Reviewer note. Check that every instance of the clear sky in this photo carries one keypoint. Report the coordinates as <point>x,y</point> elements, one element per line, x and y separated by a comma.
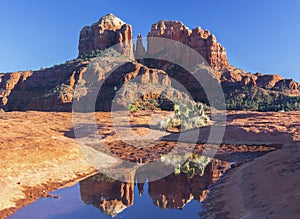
<point>259,35</point>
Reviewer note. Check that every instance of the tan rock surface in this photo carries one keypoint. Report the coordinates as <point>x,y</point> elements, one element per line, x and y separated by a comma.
<point>267,187</point>
<point>33,154</point>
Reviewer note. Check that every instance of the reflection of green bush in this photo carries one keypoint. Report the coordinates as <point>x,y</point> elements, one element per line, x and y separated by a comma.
<point>188,116</point>
<point>191,164</point>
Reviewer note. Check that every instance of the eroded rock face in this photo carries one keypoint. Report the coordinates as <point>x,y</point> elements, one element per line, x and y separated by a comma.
<point>200,40</point>
<point>46,90</point>
<point>287,84</point>
<point>107,32</point>
<point>237,78</point>
<point>140,50</point>
<point>268,81</point>
<point>53,89</point>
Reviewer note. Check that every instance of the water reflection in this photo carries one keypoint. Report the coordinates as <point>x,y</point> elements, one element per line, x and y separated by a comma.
<point>111,196</point>
<point>190,181</point>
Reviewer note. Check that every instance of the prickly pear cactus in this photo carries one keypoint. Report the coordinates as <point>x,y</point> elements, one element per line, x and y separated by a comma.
<point>186,116</point>
<point>190,164</point>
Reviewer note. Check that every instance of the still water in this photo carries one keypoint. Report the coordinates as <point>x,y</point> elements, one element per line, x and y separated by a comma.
<point>176,196</point>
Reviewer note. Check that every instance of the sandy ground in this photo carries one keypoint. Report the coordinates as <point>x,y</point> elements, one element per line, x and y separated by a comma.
<point>39,153</point>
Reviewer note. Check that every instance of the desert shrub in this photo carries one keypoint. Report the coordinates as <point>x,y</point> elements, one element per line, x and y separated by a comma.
<point>188,116</point>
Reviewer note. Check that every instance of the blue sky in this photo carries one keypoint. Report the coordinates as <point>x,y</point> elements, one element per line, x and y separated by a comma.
<point>259,35</point>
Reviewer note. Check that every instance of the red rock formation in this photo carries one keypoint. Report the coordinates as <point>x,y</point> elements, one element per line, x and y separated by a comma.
<point>146,75</point>
<point>140,50</point>
<point>47,89</point>
<point>200,40</point>
<point>53,88</point>
<point>268,81</point>
<point>287,84</point>
<point>8,82</point>
<point>237,78</point>
<point>107,32</point>
<point>233,77</point>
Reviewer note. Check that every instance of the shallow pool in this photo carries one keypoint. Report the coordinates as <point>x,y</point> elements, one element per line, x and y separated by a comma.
<point>175,196</point>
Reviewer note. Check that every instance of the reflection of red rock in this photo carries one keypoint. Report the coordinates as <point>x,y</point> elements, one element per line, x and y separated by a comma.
<point>107,32</point>
<point>175,191</point>
<point>112,197</point>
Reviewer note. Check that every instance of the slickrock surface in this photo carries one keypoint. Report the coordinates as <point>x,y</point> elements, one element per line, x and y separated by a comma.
<point>39,153</point>
<point>267,187</point>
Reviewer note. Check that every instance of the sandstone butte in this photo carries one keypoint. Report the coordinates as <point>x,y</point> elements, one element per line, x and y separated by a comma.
<point>108,31</point>
<point>52,156</point>
<point>52,88</point>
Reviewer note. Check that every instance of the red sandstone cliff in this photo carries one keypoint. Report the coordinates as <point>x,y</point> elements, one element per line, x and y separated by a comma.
<point>108,31</point>
<point>200,40</point>
<point>53,88</point>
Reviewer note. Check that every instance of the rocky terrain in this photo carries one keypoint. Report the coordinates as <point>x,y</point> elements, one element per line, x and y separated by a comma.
<point>53,89</point>
<point>39,154</point>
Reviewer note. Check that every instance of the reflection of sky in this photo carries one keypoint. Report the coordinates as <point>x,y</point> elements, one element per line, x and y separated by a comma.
<point>70,206</point>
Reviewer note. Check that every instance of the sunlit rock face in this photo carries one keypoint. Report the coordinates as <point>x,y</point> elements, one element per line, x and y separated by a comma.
<point>140,50</point>
<point>198,39</point>
<point>107,32</point>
